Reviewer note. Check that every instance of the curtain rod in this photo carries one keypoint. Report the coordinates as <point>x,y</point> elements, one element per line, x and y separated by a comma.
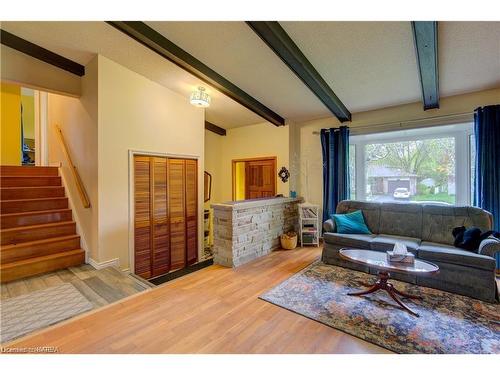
<point>400,123</point>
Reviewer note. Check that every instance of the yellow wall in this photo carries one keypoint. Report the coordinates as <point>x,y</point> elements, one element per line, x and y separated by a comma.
<point>11,125</point>
<point>260,140</point>
<point>28,103</point>
<point>239,181</point>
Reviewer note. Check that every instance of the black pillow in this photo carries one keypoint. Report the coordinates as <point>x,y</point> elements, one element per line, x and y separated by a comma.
<point>470,239</point>
<point>467,239</point>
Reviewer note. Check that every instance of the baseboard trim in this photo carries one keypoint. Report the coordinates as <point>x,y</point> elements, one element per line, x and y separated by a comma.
<point>108,263</point>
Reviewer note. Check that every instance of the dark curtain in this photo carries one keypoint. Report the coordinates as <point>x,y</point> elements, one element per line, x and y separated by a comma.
<point>487,163</point>
<point>335,148</point>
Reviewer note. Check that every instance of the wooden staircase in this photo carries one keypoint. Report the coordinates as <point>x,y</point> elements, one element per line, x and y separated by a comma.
<point>37,231</point>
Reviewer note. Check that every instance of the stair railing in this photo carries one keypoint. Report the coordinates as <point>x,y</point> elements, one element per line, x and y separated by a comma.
<point>79,183</point>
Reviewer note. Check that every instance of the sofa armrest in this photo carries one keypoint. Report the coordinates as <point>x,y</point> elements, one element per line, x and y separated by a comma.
<point>489,247</point>
<point>329,226</point>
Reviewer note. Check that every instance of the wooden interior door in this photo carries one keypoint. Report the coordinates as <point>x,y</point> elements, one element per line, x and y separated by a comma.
<point>166,214</point>
<point>191,189</point>
<point>260,179</point>
<point>142,222</point>
<point>161,240</point>
<point>177,211</point>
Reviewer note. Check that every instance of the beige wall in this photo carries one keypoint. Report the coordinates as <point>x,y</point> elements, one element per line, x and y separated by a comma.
<point>138,114</point>
<point>247,142</point>
<point>309,145</point>
<point>16,67</point>
<point>77,119</point>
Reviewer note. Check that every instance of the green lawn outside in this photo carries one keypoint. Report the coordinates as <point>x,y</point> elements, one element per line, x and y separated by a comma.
<point>441,197</point>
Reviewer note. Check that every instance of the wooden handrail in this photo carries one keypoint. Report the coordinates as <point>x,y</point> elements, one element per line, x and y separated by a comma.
<point>79,183</point>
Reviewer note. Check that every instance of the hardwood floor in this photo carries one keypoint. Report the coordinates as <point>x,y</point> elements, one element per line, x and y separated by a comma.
<point>101,287</point>
<point>214,310</point>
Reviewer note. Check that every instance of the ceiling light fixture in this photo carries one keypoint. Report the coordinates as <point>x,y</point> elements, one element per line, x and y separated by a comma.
<point>200,98</point>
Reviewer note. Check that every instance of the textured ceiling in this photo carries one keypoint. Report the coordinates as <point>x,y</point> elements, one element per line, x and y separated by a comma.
<point>80,41</point>
<point>469,57</point>
<point>369,65</point>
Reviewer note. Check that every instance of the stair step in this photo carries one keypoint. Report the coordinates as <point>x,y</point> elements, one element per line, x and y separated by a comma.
<point>17,170</point>
<point>34,266</point>
<point>34,218</point>
<point>26,250</point>
<point>27,181</point>
<point>18,235</point>
<point>31,192</point>
<point>27,205</point>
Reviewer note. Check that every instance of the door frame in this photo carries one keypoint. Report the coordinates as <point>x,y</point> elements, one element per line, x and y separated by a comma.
<point>261,158</point>
<point>131,200</point>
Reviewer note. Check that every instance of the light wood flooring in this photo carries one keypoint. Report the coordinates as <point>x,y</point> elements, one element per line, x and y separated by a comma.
<point>101,287</point>
<point>214,310</point>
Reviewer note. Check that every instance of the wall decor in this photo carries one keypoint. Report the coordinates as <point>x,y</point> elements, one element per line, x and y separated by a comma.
<point>284,174</point>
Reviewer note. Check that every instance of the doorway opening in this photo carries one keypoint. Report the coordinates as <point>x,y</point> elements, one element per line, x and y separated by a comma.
<point>254,178</point>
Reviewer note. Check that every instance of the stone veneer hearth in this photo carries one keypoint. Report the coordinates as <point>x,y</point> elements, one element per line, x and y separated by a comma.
<point>246,230</point>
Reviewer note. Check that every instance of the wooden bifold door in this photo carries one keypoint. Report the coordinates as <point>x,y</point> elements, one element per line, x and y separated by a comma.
<point>166,207</point>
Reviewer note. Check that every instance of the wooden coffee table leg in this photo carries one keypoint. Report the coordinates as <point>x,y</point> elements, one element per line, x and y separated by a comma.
<point>405,295</point>
<point>382,284</point>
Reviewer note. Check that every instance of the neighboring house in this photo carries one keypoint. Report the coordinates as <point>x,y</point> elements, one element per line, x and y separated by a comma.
<point>384,180</point>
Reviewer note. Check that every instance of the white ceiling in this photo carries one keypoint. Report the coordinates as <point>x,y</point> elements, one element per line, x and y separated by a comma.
<point>469,57</point>
<point>81,41</point>
<point>369,65</point>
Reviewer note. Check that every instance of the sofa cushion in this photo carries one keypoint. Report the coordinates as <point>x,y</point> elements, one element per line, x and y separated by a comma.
<point>436,252</point>
<point>357,241</point>
<point>439,221</point>
<point>385,242</point>
<point>401,219</point>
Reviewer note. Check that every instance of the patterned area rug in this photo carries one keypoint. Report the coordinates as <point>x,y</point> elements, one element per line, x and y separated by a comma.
<point>448,323</point>
<point>32,311</point>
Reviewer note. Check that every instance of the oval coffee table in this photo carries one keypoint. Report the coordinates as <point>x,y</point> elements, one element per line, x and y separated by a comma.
<point>378,260</point>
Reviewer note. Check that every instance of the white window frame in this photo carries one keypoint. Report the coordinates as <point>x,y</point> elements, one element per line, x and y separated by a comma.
<point>460,132</point>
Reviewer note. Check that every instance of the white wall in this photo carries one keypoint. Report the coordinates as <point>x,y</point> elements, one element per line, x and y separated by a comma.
<point>27,71</point>
<point>138,114</point>
<point>77,118</point>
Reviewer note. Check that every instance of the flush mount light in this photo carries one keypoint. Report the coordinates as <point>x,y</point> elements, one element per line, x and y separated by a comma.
<point>200,98</point>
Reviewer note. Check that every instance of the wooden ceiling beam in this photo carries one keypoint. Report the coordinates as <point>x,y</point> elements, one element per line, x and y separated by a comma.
<point>158,43</point>
<point>214,128</point>
<point>40,53</point>
<point>280,42</point>
<point>425,37</point>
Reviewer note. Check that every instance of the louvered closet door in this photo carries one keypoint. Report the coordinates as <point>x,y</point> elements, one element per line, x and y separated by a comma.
<point>161,241</point>
<point>177,213</point>
<point>142,222</point>
<point>191,211</point>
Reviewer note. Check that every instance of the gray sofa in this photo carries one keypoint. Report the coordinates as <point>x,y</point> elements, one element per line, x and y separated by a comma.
<point>426,229</point>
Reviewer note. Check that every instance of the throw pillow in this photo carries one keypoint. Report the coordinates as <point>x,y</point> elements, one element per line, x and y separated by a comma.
<point>469,239</point>
<point>351,223</point>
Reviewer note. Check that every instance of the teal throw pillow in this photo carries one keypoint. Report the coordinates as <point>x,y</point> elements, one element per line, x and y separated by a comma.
<point>352,223</point>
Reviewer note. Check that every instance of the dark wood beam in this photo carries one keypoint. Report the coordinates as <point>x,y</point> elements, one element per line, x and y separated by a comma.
<point>280,42</point>
<point>40,53</point>
<point>425,36</point>
<point>165,48</point>
<point>214,128</point>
